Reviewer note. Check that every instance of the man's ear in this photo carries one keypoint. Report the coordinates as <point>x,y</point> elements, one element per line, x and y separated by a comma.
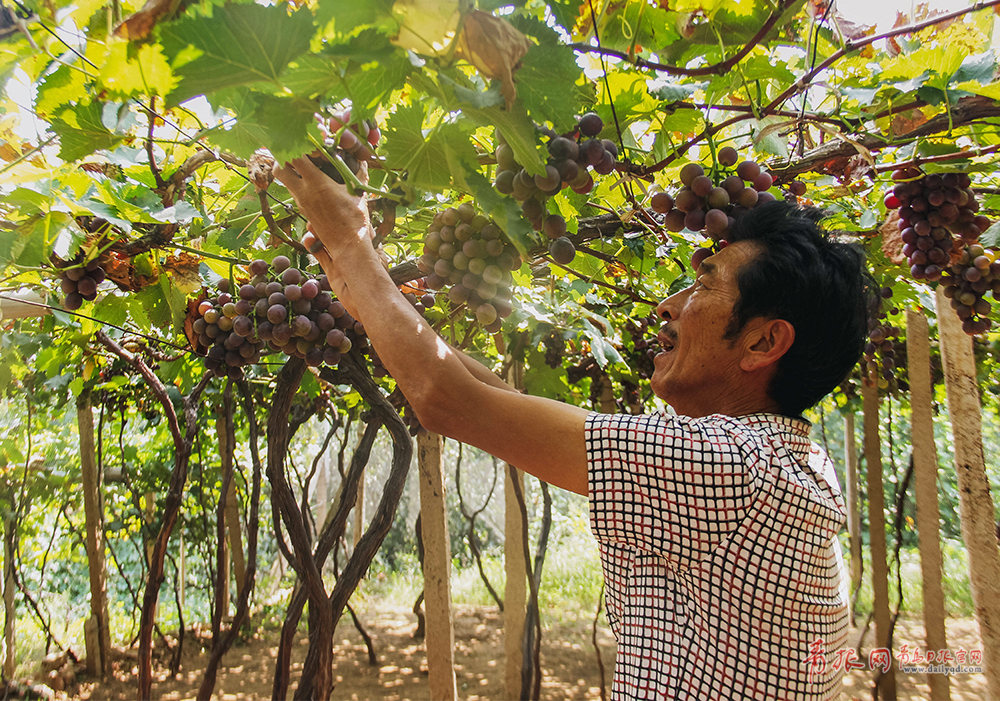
<point>766,343</point>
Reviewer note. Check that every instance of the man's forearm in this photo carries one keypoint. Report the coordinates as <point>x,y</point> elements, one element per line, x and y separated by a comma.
<point>482,373</point>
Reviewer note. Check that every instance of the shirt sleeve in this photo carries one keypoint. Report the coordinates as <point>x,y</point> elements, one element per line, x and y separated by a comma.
<point>674,486</point>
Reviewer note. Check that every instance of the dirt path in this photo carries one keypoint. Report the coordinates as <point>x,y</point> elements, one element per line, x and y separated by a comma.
<point>569,663</point>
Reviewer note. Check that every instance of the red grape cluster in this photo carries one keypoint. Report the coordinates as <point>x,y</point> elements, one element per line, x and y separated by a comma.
<point>292,312</point>
<point>974,273</point>
<point>354,144</point>
<point>571,155</point>
<point>470,253</point>
<point>713,206</point>
<point>880,354</point>
<point>931,209</point>
<point>79,281</point>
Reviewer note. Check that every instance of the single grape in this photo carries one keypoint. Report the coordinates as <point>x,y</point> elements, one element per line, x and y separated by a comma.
<point>562,250</point>
<point>591,124</point>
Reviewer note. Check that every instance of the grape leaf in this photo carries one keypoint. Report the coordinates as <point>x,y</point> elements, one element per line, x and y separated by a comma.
<point>504,210</point>
<point>127,71</point>
<point>368,85</point>
<point>547,85</point>
<point>63,86</point>
<point>517,131</point>
<point>350,18</point>
<point>281,124</point>
<point>991,237</point>
<point>978,67</point>
<point>81,131</point>
<point>238,44</point>
<point>311,76</point>
<point>435,160</point>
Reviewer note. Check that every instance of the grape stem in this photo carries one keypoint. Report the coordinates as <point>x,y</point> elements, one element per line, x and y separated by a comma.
<point>98,321</point>
<point>958,155</point>
<point>213,256</point>
<point>634,296</point>
<point>350,179</point>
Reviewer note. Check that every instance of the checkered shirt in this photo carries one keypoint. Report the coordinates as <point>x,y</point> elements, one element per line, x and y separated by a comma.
<point>719,547</point>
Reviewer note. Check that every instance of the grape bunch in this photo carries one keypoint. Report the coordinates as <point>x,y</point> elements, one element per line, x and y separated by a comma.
<point>933,208</point>
<point>974,273</point>
<point>354,144</point>
<point>571,156</point>
<point>289,312</point>
<point>879,355</point>
<point>713,206</point>
<point>645,348</point>
<point>467,251</point>
<point>79,281</point>
<point>555,348</point>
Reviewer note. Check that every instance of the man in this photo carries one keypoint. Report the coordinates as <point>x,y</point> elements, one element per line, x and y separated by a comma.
<point>717,526</point>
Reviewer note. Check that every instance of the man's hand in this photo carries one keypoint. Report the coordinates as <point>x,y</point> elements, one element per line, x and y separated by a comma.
<point>337,218</point>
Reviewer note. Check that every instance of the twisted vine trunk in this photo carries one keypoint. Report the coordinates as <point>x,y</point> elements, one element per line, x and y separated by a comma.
<point>246,589</point>
<point>183,444</point>
<point>381,522</point>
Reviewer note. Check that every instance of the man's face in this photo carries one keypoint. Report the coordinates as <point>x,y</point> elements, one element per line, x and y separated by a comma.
<point>698,373</point>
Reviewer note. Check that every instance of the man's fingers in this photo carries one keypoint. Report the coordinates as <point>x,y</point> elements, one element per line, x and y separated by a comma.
<point>311,241</point>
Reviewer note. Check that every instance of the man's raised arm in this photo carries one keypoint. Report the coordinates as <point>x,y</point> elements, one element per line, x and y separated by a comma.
<point>448,392</point>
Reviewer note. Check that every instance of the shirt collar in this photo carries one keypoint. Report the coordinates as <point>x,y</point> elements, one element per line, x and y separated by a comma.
<point>794,431</point>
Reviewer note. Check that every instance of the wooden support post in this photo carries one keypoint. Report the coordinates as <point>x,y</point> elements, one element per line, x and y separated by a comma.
<point>853,506</point>
<point>10,615</point>
<point>515,598</point>
<point>181,571</point>
<point>234,527</point>
<point>975,501</point>
<point>876,536</point>
<point>925,469</point>
<point>98,646</point>
<point>440,638</point>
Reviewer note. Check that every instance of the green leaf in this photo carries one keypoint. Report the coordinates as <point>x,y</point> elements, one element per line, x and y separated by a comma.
<point>111,308</point>
<point>312,76</point>
<point>238,44</point>
<point>63,86</point>
<point>991,237</point>
<point>153,308</point>
<point>280,124</point>
<point>491,97</point>
<point>437,159</point>
<point>978,67</point>
<point>517,131</point>
<point>369,84</point>
<point>81,131</point>
<point>547,85</point>
<point>504,210</point>
<point>349,17</point>
<point>128,71</point>
<point>604,352</point>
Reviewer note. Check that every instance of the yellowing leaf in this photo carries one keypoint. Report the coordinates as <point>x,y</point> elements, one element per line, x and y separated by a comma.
<point>426,26</point>
<point>147,72</point>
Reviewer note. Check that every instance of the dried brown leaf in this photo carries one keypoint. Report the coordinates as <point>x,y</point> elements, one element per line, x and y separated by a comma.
<point>494,47</point>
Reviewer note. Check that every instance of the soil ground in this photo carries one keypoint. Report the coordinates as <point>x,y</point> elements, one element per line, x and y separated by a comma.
<point>569,662</point>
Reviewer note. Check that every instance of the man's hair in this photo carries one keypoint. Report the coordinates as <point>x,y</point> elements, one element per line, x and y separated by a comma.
<point>820,286</point>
